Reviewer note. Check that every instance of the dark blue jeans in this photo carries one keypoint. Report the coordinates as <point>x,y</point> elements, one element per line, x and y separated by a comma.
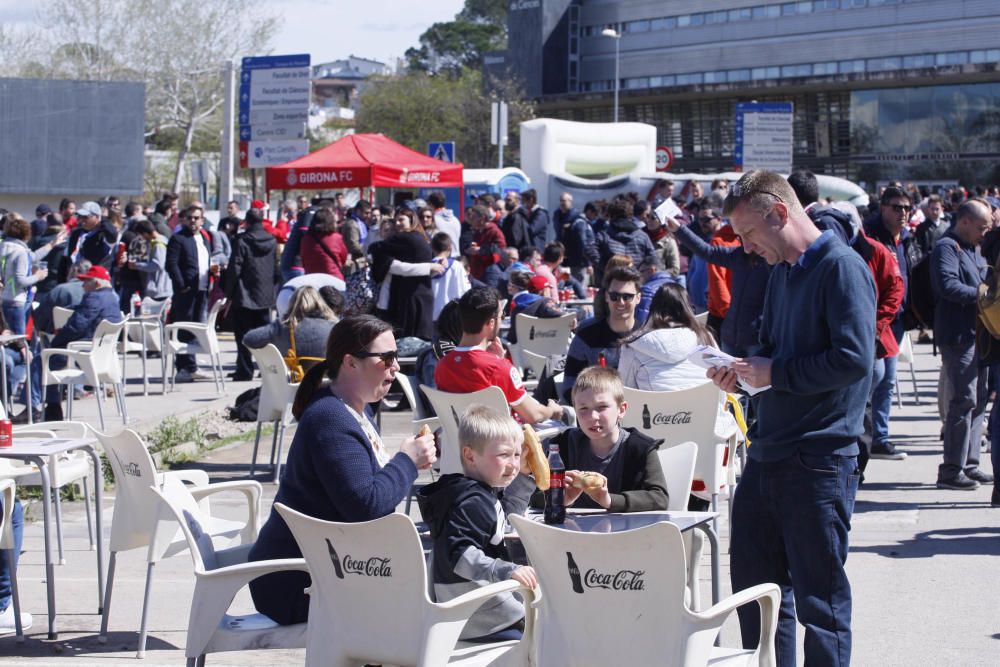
<point>790,525</point>
<point>17,523</point>
<point>995,421</point>
<point>16,316</point>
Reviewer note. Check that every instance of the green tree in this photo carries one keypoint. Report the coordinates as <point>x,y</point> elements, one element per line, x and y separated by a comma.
<point>416,108</point>
<point>449,46</point>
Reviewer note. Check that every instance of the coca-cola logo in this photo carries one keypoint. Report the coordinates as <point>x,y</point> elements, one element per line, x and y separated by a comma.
<point>622,580</point>
<point>374,566</point>
<point>131,469</point>
<point>545,334</point>
<point>675,418</point>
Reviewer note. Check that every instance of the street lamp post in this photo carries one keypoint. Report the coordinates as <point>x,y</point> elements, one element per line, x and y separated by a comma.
<point>617,36</point>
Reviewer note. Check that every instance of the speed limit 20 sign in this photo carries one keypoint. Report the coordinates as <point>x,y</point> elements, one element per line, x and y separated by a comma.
<point>664,158</point>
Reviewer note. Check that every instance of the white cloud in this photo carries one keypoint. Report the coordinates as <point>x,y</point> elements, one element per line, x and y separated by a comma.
<point>378,29</point>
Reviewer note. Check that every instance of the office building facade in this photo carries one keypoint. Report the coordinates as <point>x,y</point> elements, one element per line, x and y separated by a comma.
<point>906,89</point>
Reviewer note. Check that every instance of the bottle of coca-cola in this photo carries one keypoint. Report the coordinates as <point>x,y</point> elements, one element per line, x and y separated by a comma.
<point>335,559</point>
<point>574,573</point>
<point>555,508</point>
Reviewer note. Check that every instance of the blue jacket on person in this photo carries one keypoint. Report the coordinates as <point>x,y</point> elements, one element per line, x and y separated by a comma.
<point>818,328</point>
<point>101,304</point>
<point>741,327</point>
<point>331,474</point>
<point>956,272</point>
<point>649,288</point>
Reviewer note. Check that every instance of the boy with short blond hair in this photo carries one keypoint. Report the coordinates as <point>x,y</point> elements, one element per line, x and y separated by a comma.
<point>467,516</point>
<point>625,459</point>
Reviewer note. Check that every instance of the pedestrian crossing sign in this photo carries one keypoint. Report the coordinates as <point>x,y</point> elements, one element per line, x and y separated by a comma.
<point>442,150</point>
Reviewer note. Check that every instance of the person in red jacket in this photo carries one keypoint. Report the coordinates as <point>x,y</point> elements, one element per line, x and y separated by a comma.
<point>487,241</point>
<point>323,249</point>
<point>720,280</point>
<point>279,228</point>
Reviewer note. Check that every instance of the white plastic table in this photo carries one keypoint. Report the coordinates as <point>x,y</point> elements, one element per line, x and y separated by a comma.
<point>38,451</point>
<point>599,521</point>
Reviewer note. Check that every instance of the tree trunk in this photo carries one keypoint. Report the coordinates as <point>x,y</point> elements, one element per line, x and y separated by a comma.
<point>182,155</point>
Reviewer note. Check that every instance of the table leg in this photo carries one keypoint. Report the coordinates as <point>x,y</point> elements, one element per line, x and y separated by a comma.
<point>145,378</point>
<point>713,540</point>
<point>27,386</point>
<point>50,570</point>
<point>98,494</point>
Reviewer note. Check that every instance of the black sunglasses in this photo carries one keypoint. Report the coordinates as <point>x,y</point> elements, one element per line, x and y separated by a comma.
<point>387,357</point>
<point>900,208</point>
<point>621,296</point>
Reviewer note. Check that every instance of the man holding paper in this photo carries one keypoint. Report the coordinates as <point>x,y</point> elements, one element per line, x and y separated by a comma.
<point>792,508</point>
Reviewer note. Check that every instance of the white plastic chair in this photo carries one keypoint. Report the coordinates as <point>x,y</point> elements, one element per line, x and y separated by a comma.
<point>7,544</point>
<point>636,579</point>
<point>141,520</point>
<point>373,575</point>
<point>678,470</point>
<point>526,360</point>
<point>906,357</point>
<point>449,408</point>
<point>219,576</point>
<point>150,330</point>
<point>410,388</point>
<point>206,341</point>
<point>545,336</point>
<point>275,405</point>
<point>96,366</point>
<point>689,415</point>
<point>71,468</point>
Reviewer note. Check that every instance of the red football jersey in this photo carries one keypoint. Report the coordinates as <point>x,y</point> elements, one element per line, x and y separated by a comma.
<point>468,369</point>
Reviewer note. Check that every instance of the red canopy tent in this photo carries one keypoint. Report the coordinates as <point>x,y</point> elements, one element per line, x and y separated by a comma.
<point>364,160</point>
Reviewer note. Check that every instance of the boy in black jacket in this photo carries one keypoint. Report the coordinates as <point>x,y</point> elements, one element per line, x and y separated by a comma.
<point>467,515</point>
<point>626,458</point>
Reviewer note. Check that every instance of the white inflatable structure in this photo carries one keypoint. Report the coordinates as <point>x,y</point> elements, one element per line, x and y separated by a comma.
<point>599,160</point>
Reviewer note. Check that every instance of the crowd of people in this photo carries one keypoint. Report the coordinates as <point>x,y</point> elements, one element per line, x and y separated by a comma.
<point>812,297</point>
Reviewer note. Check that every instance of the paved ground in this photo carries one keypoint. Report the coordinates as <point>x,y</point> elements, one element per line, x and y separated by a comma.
<point>923,561</point>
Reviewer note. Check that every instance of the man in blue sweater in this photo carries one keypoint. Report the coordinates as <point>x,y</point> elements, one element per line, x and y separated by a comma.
<point>957,275</point>
<point>792,508</point>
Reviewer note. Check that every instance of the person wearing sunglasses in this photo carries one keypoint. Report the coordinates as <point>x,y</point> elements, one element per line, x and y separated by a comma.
<point>890,226</point>
<point>338,467</point>
<point>598,339</point>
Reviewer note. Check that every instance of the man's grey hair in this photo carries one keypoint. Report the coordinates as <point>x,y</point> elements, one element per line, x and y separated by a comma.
<point>81,266</point>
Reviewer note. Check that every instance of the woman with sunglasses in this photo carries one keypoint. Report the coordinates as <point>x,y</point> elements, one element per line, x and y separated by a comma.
<point>597,340</point>
<point>338,468</point>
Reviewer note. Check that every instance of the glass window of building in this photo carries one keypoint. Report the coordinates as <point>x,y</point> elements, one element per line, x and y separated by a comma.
<point>697,19</point>
<point>684,21</point>
<point>715,17</point>
<point>637,82</point>
<point>637,26</point>
<point>851,66</point>
<point>952,58</point>
<point>664,23</point>
<point>853,4</point>
<point>715,77</point>
<point>691,79</point>
<point>789,9</point>
<point>918,61</point>
<point>735,75</point>
<point>741,14</point>
<point>824,69</point>
<point>884,64</point>
<point>825,5</point>
<point>803,7</point>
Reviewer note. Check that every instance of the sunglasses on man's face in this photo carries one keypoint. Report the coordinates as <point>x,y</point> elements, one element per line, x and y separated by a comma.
<point>626,297</point>
<point>387,357</point>
<point>900,208</point>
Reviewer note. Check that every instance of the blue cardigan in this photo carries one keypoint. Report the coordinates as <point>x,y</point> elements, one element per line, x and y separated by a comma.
<point>331,474</point>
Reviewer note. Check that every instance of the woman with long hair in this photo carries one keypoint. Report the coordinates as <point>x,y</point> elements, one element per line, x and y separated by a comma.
<point>338,468</point>
<point>304,329</point>
<point>655,358</point>
<point>408,257</point>
<point>323,249</point>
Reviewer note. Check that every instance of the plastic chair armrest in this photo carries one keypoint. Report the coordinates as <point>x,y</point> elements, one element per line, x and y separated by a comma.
<point>466,604</point>
<point>251,490</point>
<point>769,598</point>
<point>197,477</point>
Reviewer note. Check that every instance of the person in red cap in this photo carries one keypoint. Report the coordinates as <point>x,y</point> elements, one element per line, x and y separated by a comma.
<point>99,303</point>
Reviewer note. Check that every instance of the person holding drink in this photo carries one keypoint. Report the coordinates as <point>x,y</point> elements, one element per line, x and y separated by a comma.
<point>338,468</point>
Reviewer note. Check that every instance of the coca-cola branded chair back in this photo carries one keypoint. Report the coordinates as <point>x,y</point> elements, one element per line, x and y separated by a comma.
<point>688,415</point>
<point>545,336</point>
<point>219,575</point>
<point>636,578</point>
<point>369,602</point>
<point>450,408</point>
<point>141,520</point>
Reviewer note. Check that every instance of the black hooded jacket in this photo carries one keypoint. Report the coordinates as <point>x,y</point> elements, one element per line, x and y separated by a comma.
<point>252,272</point>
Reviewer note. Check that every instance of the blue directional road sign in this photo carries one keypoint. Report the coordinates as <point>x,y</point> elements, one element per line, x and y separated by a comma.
<point>442,150</point>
